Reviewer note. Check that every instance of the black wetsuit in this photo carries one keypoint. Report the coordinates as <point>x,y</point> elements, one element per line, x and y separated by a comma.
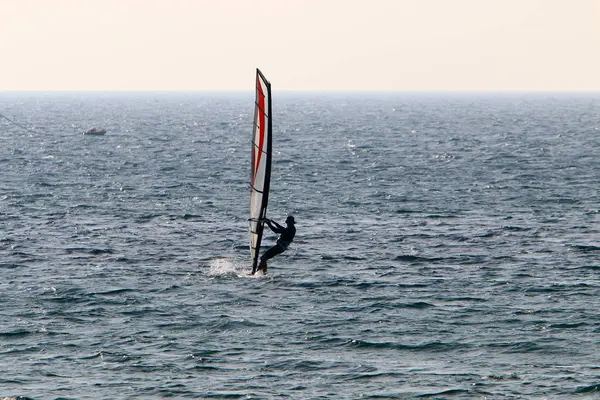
<point>286,237</point>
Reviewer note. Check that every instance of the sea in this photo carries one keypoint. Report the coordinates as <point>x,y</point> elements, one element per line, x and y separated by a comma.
<point>447,247</point>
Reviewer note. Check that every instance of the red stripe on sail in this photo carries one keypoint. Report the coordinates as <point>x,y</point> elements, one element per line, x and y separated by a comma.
<point>261,124</point>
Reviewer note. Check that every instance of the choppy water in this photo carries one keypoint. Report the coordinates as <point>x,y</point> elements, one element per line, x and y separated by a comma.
<point>448,248</point>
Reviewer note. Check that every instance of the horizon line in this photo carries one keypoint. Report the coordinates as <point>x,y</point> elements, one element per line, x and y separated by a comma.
<point>251,91</point>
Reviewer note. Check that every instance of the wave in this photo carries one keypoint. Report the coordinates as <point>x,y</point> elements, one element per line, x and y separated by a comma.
<point>114,292</point>
<point>448,392</point>
<point>92,251</point>
<point>589,389</point>
<point>585,248</point>
<point>19,333</point>
<point>425,347</point>
<point>458,259</point>
<point>417,259</point>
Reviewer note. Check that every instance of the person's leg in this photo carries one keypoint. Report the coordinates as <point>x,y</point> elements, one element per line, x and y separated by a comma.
<point>272,252</point>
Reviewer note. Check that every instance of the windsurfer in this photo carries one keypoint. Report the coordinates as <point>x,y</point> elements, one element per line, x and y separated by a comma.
<point>286,236</point>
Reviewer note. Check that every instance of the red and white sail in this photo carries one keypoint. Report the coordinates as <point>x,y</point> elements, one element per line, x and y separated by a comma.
<point>260,176</point>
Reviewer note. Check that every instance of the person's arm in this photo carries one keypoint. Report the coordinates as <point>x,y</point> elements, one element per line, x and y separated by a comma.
<point>277,228</point>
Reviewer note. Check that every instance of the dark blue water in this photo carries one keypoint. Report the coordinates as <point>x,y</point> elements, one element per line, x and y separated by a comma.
<point>448,247</point>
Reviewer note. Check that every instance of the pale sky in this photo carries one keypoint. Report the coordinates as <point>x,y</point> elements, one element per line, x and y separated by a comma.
<point>305,45</point>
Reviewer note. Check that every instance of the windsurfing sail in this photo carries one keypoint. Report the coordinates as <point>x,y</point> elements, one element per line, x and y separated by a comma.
<point>260,176</point>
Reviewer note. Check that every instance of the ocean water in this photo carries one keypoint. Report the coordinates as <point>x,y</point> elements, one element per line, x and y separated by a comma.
<point>448,247</point>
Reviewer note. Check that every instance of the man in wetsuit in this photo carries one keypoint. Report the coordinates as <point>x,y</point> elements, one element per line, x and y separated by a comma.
<point>286,236</point>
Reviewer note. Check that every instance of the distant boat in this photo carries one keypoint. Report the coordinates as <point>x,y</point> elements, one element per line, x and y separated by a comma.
<point>95,131</point>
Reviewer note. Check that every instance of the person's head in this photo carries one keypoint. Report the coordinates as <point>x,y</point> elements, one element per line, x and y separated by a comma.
<point>290,220</point>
